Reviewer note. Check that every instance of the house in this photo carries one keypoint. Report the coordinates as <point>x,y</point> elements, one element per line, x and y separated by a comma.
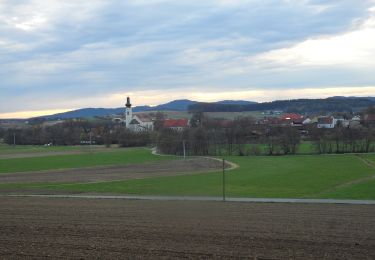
<point>307,121</point>
<point>292,119</point>
<point>176,124</point>
<point>291,116</point>
<point>326,122</point>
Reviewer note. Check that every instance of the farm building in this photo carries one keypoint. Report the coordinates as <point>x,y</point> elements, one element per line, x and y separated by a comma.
<point>291,116</point>
<point>326,122</point>
<point>176,124</point>
<point>292,119</point>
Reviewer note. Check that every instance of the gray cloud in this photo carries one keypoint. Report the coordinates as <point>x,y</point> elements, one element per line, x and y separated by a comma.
<point>51,50</point>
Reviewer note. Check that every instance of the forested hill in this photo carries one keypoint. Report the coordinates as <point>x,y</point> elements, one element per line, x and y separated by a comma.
<point>175,105</point>
<point>333,104</point>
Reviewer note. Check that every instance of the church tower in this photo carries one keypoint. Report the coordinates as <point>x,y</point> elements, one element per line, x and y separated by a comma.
<point>128,112</point>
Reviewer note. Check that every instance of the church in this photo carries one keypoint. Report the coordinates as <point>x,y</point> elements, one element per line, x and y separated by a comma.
<point>138,122</point>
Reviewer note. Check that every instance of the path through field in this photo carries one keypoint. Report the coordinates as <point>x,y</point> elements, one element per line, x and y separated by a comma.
<point>353,182</point>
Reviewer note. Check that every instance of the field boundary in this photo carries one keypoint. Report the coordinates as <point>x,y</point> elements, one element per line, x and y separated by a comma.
<point>194,198</point>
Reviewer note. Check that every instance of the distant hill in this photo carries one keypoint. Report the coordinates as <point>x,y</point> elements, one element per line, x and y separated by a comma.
<point>235,102</point>
<point>84,112</point>
<point>332,104</point>
<point>351,97</point>
<point>176,105</point>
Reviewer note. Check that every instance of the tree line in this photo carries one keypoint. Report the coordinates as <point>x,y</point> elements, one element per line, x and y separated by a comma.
<point>74,132</point>
<point>206,136</point>
<point>334,104</point>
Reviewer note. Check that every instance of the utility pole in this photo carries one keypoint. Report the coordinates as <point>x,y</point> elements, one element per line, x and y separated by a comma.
<point>184,148</point>
<point>223,179</point>
<point>90,138</point>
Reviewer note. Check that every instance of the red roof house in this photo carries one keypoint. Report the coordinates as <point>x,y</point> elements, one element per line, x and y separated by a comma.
<point>292,117</point>
<point>178,124</point>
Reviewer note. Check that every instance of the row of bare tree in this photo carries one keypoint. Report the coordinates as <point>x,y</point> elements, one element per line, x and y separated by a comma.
<point>207,136</point>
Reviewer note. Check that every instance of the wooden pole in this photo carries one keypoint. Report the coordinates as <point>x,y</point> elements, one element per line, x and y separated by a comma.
<point>184,148</point>
<point>223,179</point>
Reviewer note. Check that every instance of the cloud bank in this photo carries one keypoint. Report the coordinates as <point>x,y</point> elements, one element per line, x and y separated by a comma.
<point>57,55</point>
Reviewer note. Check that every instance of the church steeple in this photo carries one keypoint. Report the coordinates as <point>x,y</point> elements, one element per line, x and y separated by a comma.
<point>128,112</point>
<point>128,105</point>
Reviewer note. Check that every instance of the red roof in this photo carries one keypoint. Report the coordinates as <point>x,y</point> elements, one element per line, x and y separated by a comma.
<point>326,120</point>
<point>291,116</point>
<point>176,123</point>
<point>369,117</point>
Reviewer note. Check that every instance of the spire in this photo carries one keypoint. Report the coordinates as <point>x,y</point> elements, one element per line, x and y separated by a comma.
<point>128,102</point>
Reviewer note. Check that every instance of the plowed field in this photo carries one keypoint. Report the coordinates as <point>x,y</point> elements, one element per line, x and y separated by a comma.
<point>39,228</point>
<point>111,173</point>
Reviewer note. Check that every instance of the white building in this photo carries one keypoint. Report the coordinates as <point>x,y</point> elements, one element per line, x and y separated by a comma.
<point>326,122</point>
<point>138,122</point>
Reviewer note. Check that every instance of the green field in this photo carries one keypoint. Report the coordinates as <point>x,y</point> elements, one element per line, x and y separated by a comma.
<point>115,157</point>
<point>268,177</point>
<point>301,176</point>
<point>365,191</point>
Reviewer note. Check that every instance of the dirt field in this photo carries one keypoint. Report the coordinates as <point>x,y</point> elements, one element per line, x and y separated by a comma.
<point>38,228</point>
<point>110,173</point>
<point>30,154</point>
<point>37,154</point>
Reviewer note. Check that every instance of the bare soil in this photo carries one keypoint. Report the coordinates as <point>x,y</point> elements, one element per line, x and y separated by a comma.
<point>39,228</point>
<point>31,154</point>
<point>111,173</point>
<point>36,154</point>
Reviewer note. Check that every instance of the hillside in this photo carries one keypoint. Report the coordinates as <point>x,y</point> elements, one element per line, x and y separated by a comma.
<point>175,105</point>
<point>333,104</point>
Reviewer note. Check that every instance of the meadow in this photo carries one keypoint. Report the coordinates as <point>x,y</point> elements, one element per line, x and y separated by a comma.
<point>266,177</point>
<point>300,176</point>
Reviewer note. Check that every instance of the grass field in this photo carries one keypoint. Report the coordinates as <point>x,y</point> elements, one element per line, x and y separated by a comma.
<point>317,176</point>
<point>365,191</point>
<point>268,177</point>
<point>116,157</point>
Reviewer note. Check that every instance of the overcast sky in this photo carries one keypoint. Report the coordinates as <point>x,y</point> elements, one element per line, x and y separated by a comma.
<point>59,55</point>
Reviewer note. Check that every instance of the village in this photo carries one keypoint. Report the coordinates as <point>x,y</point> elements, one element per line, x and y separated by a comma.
<point>141,121</point>
<point>272,132</point>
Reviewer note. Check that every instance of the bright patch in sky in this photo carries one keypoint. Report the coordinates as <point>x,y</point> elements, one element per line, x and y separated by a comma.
<point>57,55</point>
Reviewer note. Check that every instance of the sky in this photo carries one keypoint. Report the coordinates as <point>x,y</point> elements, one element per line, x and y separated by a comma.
<point>62,55</point>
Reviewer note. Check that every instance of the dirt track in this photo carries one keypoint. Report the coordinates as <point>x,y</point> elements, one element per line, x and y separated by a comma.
<point>109,173</point>
<point>131,229</point>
